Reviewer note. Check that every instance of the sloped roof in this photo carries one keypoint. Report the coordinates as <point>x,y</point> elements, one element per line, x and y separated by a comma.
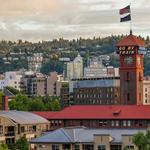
<point>82,135</point>
<point>99,112</point>
<point>23,117</point>
<point>131,40</point>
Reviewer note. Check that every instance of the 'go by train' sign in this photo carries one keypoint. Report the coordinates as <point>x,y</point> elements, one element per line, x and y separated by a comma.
<point>131,50</point>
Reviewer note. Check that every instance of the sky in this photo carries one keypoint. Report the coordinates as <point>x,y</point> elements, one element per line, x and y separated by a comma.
<point>35,20</point>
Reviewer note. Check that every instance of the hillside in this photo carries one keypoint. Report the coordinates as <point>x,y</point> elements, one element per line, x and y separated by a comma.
<point>13,55</point>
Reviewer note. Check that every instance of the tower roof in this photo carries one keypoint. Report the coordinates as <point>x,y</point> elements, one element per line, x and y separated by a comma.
<point>131,40</point>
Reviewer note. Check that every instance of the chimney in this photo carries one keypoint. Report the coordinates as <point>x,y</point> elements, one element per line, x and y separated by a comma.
<point>5,103</point>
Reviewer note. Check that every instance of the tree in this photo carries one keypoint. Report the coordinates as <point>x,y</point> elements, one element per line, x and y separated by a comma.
<point>3,147</point>
<point>52,65</point>
<point>12,90</point>
<point>142,140</point>
<point>22,144</point>
<point>20,102</point>
<point>38,103</point>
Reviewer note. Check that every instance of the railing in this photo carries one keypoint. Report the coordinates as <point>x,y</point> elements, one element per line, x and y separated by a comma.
<point>10,133</point>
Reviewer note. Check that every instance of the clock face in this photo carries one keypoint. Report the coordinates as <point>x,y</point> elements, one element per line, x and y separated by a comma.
<point>128,60</point>
<point>138,60</point>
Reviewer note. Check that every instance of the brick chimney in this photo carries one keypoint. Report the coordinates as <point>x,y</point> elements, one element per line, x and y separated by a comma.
<point>5,103</point>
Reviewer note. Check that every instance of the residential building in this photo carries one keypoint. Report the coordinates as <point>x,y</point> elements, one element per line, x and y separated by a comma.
<point>100,116</point>
<point>39,84</point>
<point>17,124</point>
<point>81,138</point>
<point>12,79</point>
<point>34,84</point>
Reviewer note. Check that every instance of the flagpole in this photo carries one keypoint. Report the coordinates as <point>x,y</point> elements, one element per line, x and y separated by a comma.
<point>130,20</point>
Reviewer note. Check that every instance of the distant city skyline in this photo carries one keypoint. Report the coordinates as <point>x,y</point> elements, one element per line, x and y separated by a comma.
<point>48,19</point>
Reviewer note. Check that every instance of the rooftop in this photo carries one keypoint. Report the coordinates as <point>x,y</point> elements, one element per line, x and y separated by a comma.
<point>131,40</point>
<point>82,135</point>
<point>23,117</point>
<point>99,112</point>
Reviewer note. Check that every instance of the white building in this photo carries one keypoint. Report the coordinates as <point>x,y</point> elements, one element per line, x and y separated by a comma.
<point>75,68</point>
<point>35,62</point>
<point>11,78</point>
<point>96,69</point>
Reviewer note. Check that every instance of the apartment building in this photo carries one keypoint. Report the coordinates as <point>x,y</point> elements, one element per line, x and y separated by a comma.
<point>11,78</point>
<point>39,84</point>
<point>17,124</point>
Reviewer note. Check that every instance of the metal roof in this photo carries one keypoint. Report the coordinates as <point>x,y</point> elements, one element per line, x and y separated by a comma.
<point>22,117</point>
<point>82,135</point>
<point>99,112</point>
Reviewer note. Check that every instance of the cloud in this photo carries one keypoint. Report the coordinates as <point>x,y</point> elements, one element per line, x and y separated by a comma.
<point>48,19</point>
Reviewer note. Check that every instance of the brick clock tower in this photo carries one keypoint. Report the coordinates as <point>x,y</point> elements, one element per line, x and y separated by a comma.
<point>131,50</point>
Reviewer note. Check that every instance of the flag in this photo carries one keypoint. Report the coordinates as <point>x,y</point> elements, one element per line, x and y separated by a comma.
<point>125,10</point>
<point>126,18</point>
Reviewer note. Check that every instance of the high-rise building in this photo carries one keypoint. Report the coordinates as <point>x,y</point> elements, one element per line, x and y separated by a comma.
<point>131,50</point>
<point>74,69</point>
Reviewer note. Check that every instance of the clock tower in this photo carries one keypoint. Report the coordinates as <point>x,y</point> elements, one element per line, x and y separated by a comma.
<point>131,50</point>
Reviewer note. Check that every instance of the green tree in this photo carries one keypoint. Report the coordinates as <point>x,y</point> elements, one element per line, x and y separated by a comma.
<point>20,102</point>
<point>22,144</point>
<point>52,65</point>
<point>36,105</point>
<point>142,140</point>
<point>3,147</point>
<point>13,90</point>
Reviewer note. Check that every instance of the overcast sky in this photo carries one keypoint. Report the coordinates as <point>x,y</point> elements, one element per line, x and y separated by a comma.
<point>47,19</point>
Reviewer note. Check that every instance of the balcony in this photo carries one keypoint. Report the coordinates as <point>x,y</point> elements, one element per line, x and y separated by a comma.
<point>10,133</point>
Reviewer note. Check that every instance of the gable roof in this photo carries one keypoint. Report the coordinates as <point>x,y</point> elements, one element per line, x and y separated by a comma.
<point>82,135</point>
<point>23,117</point>
<point>99,112</point>
<point>131,40</point>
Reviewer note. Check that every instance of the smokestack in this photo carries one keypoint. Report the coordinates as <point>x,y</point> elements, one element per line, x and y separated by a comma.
<point>5,103</point>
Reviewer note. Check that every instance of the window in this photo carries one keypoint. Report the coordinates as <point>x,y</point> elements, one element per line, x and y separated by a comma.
<point>112,123</point>
<point>124,123</point>
<point>128,97</point>
<point>117,123</point>
<point>128,76</point>
<point>55,147</point>
<point>129,123</point>
<point>76,147</point>
<point>101,147</point>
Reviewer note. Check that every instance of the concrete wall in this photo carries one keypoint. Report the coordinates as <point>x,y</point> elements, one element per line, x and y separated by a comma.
<point>127,141</point>
<point>102,140</point>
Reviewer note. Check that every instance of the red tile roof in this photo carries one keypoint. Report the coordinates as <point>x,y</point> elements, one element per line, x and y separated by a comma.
<point>131,40</point>
<point>99,112</point>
